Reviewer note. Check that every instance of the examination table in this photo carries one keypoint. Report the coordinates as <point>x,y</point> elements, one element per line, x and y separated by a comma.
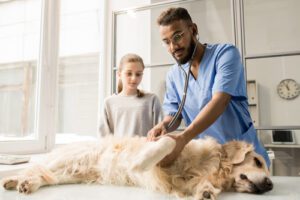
<point>285,188</point>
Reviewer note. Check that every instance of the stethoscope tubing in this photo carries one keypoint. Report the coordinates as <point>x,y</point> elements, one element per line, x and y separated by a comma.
<point>187,76</point>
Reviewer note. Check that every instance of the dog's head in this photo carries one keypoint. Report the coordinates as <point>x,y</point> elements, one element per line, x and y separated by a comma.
<point>249,172</point>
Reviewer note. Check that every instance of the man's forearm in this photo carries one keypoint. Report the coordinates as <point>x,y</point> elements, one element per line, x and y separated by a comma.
<point>167,120</point>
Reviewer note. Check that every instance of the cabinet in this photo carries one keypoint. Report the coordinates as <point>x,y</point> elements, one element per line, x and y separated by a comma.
<point>285,156</point>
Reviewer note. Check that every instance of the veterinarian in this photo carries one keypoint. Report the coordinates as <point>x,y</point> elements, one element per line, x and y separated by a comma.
<point>131,111</point>
<point>216,100</point>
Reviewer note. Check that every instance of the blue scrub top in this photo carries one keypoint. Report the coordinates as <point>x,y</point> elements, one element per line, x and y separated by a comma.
<point>220,70</point>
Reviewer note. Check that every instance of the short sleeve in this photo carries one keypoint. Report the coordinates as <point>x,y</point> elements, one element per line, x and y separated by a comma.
<point>230,73</point>
<point>170,104</point>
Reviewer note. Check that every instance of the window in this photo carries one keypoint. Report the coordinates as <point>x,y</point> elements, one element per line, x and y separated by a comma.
<point>78,68</point>
<point>43,92</point>
<point>19,44</point>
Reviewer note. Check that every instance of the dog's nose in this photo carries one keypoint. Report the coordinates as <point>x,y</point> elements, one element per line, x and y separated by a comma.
<point>264,186</point>
<point>268,185</point>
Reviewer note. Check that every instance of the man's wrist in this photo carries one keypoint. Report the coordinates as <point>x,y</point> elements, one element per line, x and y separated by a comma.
<point>184,137</point>
<point>187,135</point>
<point>165,125</point>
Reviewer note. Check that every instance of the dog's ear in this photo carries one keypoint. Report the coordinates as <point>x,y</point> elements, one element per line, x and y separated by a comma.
<point>236,151</point>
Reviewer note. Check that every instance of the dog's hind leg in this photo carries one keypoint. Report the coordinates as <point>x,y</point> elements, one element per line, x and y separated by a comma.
<point>30,180</point>
<point>10,183</point>
<point>153,153</point>
<point>90,175</point>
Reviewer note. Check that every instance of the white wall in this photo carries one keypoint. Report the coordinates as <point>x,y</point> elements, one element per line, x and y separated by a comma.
<point>272,27</point>
<point>133,35</point>
<point>268,72</point>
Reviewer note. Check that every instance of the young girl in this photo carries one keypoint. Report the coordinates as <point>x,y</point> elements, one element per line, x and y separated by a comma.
<point>131,111</point>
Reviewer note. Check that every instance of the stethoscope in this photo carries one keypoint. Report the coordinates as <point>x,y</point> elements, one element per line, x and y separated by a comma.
<point>187,76</point>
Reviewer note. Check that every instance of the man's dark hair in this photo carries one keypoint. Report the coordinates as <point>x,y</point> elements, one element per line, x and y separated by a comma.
<point>174,14</point>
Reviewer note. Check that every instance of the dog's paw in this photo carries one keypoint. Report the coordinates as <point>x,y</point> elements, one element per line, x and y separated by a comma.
<point>28,186</point>
<point>207,191</point>
<point>153,153</point>
<point>206,195</point>
<point>9,183</point>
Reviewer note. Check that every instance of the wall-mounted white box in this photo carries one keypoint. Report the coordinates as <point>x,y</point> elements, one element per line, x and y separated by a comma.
<point>252,92</point>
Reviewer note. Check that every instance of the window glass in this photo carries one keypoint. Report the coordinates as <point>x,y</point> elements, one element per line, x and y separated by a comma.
<point>19,47</point>
<point>78,67</point>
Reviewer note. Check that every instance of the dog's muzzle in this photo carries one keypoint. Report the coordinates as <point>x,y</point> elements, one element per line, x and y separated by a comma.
<point>262,187</point>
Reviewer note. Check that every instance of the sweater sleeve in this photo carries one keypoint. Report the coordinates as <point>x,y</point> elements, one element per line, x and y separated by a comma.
<point>104,128</point>
<point>157,111</point>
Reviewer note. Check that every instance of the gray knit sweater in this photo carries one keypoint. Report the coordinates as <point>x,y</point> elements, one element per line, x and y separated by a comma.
<point>130,115</point>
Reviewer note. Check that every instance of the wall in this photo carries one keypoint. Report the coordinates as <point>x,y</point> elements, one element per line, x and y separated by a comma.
<point>272,26</point>
<point>272,52</point>
<point>272,48</point>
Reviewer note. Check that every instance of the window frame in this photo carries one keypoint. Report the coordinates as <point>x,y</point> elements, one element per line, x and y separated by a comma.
<point>46,96</point>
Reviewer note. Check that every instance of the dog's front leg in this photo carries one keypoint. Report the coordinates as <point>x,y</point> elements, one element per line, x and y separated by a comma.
<point>205,190</point>
<point>153,153</point>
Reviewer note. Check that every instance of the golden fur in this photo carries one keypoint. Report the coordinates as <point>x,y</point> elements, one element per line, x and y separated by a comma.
<point>203,169</point>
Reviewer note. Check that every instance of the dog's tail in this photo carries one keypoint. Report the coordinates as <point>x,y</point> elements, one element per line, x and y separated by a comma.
<point>153,153</point>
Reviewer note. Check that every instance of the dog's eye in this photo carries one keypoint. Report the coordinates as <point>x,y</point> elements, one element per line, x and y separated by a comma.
<point>257,162</point>
<point>243,177</point>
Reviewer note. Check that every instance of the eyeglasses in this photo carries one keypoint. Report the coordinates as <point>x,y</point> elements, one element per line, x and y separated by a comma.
<point>175,39</point>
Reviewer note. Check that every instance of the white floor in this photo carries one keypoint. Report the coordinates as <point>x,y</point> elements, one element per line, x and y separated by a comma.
<point>285,188</point>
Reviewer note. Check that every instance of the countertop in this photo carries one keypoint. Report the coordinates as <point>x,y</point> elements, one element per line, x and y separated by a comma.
<point>284,188</point>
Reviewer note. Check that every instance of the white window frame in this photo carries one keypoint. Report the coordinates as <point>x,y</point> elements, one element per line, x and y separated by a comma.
<point>103,78</point>
<point>46,97</point>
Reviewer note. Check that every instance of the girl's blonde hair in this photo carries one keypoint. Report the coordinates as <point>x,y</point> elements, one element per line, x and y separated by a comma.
<point>130,58</point>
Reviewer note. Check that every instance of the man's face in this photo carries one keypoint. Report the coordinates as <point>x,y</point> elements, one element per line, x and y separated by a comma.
<point>178,39</point>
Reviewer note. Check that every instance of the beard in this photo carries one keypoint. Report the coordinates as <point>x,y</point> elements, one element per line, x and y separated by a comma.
<point>186,58</point>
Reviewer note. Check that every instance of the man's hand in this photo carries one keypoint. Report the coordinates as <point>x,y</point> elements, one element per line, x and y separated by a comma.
<point>180,144</point>
<point>156,132</point>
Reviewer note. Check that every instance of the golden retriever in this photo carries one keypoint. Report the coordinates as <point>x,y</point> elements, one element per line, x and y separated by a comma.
<point>203,169</point>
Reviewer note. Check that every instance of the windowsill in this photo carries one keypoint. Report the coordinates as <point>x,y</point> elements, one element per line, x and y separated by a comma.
<point>61,139</point>
<point>7,170</point>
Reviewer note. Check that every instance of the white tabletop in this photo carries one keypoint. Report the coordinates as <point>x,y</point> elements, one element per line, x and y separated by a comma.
<point>284,188</point>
